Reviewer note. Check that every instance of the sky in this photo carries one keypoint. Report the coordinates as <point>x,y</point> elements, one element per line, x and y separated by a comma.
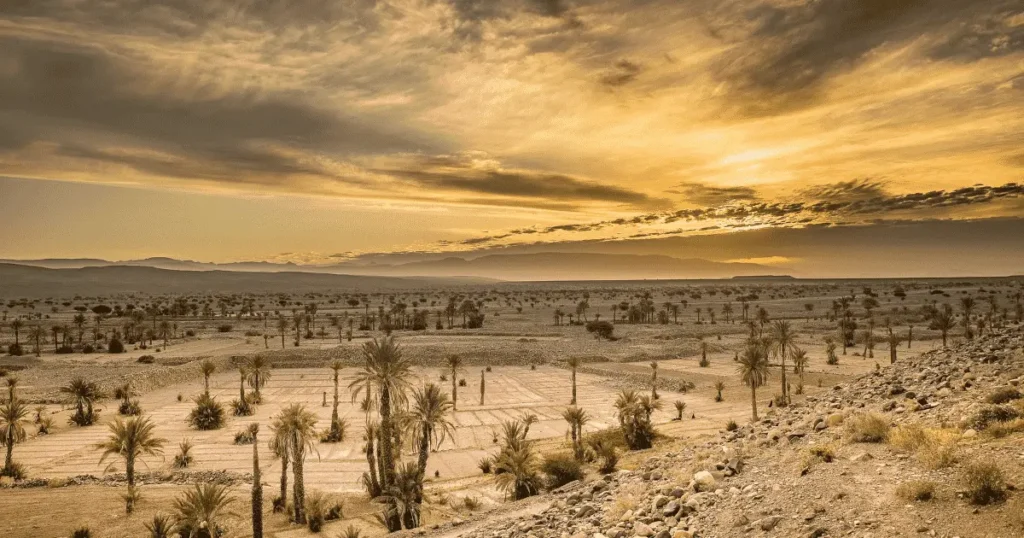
<point>323,130</point>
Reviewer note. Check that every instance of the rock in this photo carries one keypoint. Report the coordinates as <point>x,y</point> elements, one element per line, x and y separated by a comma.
<point>642,529</point>
<point>769,522</point>
<point>704,481</point>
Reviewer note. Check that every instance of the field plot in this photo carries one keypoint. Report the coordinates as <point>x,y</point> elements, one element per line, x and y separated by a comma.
<point>510,393</point>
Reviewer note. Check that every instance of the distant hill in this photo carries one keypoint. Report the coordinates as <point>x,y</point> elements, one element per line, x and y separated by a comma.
<point>28,281</point>
<point>519,267</point>
<point>764,277</point>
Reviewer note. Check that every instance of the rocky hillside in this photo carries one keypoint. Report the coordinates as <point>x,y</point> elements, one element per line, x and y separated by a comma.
<point>931,446</point>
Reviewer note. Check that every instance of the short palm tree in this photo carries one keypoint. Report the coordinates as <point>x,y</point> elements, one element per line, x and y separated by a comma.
<point>257,374</point>
<point>207,368</point>
<point>403,498</point>
<point>680,407</point>
<point>574,363</point>
<point>577,419</point>
<point>13,418</point>
<point>337,431</point>
<point>943,322</point>
<point>161,526</point>
<point>753,369</point>
<point>82,394</point>
<point>200,508</point>
<point>455,367</point>
<point>517,471</point>
<point>12,386</point>
<point>131,439</point>
<point>719,387</point>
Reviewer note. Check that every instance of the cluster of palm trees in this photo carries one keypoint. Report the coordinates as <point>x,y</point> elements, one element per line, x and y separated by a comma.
<point>13,419</point>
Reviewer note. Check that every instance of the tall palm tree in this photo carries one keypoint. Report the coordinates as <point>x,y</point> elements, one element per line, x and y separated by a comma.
<point>753,369</point>
<point>301,426</point>
<point>654,380</point>
<point>577,418</point>
<point>387,373</point>
<point>258,373</point>
<point>943,322</point>
<point>131,439</point>
<point>16,325</point>
<point>371,479</point>
<point>455,364</point>
<point>282,328</point>
<point>82,394</point>
<point>199,509</point>
<point>207,368</point>
<point>430,421</point>
<point>337,430</point>
<point>279,447</point>
<point>13,418</point>
<point>37,335</point>
<point>574,363</point>
<point>782,338</point>
<point>257,485</point>
<point>800,361</point>
<point>894,342</point>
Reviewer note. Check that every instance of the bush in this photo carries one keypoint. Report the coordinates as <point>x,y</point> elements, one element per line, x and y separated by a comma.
<point>917,490</point>
<point>731,426</point>
<point>1003,395</point>
<point>242,408</point>
<point>606,452</point>
<point>935,449</point>
<point>486,464</point>
<point>225,328</point>
<point>991,414</point>
<point>88,348</point>
<point>184,457</point>
<point>244,437</point>
<point>208,414</point>
<point>561,469</point>
<point>161,526</point>
<point>115,346</point>
<point>65,350</point>
<point>251,333</point>
<point>867,428</point>
<point>81,532</point>
<point>146,359</point>
<point>190,332</point>
<point>15,471</point>
<point>320,508</point>
<point>15,350</point>
<point>601,329</point>
<point>984,483</point>
<point>475,320</point>
<point>462,382</point>
<point>130,408</point>
<point>471,503</point>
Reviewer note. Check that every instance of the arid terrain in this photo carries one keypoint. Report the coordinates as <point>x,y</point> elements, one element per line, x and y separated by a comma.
<point>802,469</point>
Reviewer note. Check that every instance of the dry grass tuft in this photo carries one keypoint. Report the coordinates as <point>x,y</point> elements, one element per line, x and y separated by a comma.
<point>917,490</point>
<point>934,448</point>
<point>867,428</point>
<point>984,482</point>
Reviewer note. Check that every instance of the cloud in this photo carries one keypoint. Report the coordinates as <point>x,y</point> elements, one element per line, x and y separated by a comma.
<point>622,73</point>
<point>708,195</point>
<point>477,174</point>
<point>847,191</point>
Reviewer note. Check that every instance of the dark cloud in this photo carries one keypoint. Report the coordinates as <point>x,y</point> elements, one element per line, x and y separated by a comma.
<point>847,191</point>
<point>82,98</point>
<point>784,54</point>
<point>550,8</point>
<point>708,195</point>
<point>453,173</point>
<point>622,73</point>
<point>856,207</point>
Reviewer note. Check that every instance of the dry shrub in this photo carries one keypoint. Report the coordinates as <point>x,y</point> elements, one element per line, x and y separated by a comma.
<point>834,420</point>
<point>990,415</point>
<point>821,453</point>
<point>934,448</point>
<point>984,482</point>
<point>628,499</point>
<point>1003,429</point>
<point>916,490</point>
<point>1003,395</point>
<point>867,428</point>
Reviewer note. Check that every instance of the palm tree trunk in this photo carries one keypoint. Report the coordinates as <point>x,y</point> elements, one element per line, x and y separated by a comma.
<point>9,460</point>
<point>371,462</point>
<point>299,487</point>
<point>483,386</point>
<point>387,447</point>
<point>785,385</point>
<point>753,402</point>
<point>284,481</point>
<point>422,463</point>
<point>257,492</point>
<point>573,387</point>
<point>334,412</point>
<point>455,390</point>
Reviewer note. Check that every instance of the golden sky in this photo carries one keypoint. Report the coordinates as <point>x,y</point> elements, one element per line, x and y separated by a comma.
<point>306,129</point>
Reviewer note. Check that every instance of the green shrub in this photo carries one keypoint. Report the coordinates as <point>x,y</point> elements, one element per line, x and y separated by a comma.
<point>561,469</point>
<point>115,346</point>
<point>15,350</point>
<point>208,414</point>
<point>486,464</point>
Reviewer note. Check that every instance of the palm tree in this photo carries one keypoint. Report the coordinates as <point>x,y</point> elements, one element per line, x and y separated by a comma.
<point>336,433</point>
<point>13,418</point>
<point>654,380</point>
<point>680,407</point>
<point>782,338</point>
<point>431,424</point>
<point>207,368</point>
<point>370,478</point>
<point>967,306</point>
<point>282,328</point>
<point>574,363</point>
<point>278,445</point>
<point>300,424</point>
<point>131,439</point>
<point>257,485</point>
<point>387,373</point>
<point>82,394</point>
<point>199,509</point>
<point>12,384</point>
<point>257,374</point>
<point>16,325</point>
<point>719,387</point>
<point>753,368</point>
<point>403,498</point>
<point>894,341</point>
<point>516,471</point>
<point>454,369</point>
<point>943,322</point>
<point>577,418</point>
<point>483,385</point>
<point>37,334</point>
